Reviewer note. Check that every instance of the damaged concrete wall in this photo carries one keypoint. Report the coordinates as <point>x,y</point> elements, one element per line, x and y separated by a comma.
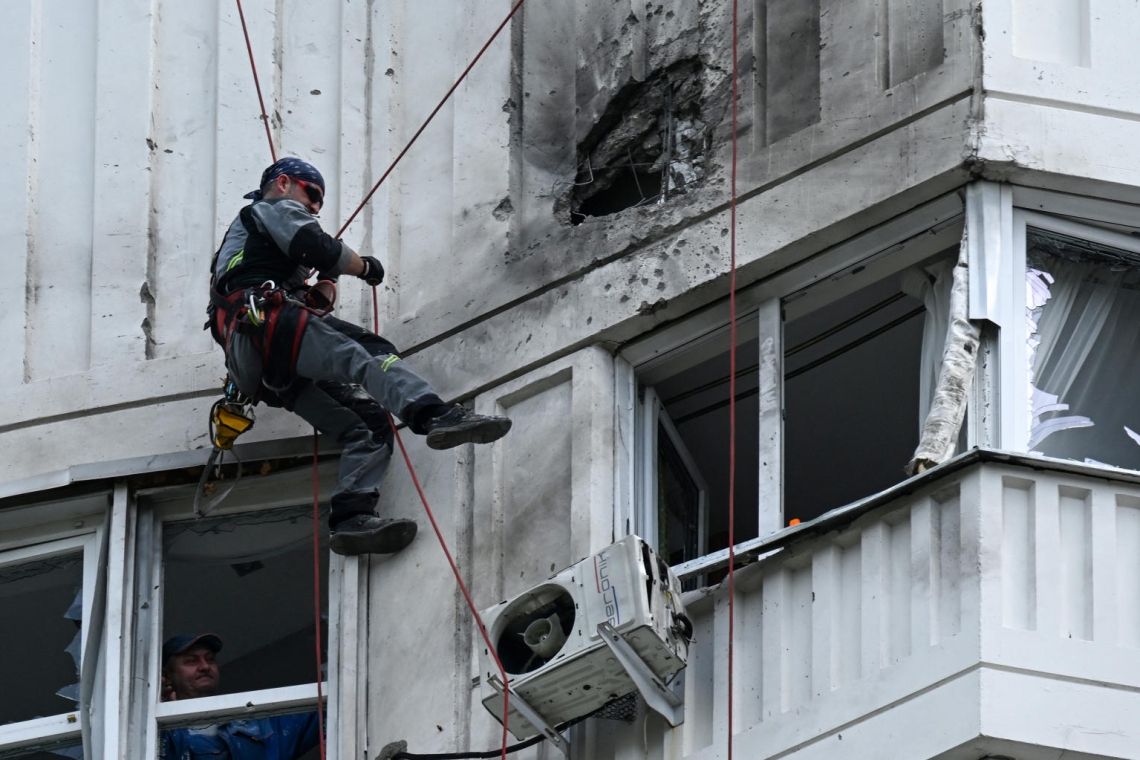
<point>1061,106</point>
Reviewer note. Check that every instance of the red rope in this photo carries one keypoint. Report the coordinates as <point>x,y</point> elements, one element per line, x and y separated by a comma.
<point>732,386</point>
<point>431,116</point>
<point>458,579</point>
<point>317,592</point>
<point>257,86</point>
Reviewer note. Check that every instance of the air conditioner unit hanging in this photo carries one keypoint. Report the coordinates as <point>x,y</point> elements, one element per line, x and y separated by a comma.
<point>552,639</point>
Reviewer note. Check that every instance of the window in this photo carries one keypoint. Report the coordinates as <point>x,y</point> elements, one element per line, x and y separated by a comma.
<point>859,371</point>
<point>45,599</point>
<point>686,423</point>
<point>837,361</point>
<point>247,578</point>
<point>1083,324</point>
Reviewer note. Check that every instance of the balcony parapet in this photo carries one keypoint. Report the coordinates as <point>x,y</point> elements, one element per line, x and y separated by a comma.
<point>990,606</point>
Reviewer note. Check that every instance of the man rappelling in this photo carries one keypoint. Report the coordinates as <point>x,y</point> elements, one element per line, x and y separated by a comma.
<point>284,348</point>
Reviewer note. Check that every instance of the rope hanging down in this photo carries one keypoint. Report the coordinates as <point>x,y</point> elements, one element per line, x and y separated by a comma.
<point>257,85</point>
<point>732,381</point>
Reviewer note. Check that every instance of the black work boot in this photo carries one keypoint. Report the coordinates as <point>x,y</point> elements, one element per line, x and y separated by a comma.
<point>461,425</point>
<point>369,534</point>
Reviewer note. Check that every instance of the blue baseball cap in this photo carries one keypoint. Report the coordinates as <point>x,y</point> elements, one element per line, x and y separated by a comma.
<point>183,641</point>
<point>291,167</point>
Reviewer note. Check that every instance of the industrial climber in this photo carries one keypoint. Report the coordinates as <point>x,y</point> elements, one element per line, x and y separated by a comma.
<point>283,348</point>
<point>190,670</point>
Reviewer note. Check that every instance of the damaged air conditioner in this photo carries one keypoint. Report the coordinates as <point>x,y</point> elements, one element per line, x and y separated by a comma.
<point>610,625</point>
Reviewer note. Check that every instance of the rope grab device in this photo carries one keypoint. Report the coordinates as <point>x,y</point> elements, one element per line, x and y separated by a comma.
<point>230,416</point>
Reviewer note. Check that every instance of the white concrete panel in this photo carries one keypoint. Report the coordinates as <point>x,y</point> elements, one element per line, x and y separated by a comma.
<point>60,267</point>
<point>184,230</point>
<point>121,234</point>
<point>412,614</point>
<point>425,57</point>
<point>19,90</point>
<point>544,493</point>
<point>240,150</point>
<point>1073,717</point>
<point>1052,31</point>
<point>1127,571</point>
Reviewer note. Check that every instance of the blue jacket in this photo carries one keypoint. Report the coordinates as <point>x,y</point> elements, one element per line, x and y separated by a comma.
<point>281,738</point>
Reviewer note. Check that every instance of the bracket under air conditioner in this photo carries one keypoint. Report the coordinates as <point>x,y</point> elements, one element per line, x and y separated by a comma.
<point>657,695</point>
<point>532,715</point>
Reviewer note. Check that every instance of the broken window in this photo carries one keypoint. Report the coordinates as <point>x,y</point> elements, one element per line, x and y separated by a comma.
<point>648,145</point>
<point>248,578</point>
<point>1083,313</point>
<point>41,625</point>
<point>859,373</point>
<point>45,601</point>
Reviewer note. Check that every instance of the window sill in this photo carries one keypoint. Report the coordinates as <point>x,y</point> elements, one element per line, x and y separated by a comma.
<point>286,699</point>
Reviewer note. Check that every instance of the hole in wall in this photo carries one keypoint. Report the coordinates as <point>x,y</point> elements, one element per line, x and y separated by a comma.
<point>648,145</point>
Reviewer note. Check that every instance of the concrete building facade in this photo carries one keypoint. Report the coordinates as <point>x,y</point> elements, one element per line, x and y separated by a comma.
<point>558,245</point>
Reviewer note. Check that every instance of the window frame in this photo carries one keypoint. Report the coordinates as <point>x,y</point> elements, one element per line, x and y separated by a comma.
<point>761,308</point>
<point>1015,393</point>
<point>347,584</point>
<point>51,541</point>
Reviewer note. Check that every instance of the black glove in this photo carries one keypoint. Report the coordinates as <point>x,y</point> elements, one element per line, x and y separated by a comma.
<point>373,272</point>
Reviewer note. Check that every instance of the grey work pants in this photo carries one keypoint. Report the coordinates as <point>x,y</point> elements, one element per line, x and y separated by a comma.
<point>346,378</point>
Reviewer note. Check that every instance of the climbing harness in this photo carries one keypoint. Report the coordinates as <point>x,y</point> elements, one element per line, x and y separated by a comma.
<point>230,416</point>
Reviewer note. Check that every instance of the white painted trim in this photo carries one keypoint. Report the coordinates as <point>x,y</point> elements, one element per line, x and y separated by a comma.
<point>117,648</point>
<point>625,434</point>
<point>1077,230</point>
<point>645,524</point>
<point>29,733</point>
<point>242,705</point>
<point>986,218</point>
<point>1078,206</point>
<point>770,463</point>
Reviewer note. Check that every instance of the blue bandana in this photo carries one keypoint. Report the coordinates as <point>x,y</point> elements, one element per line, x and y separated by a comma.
<point>291,167</point>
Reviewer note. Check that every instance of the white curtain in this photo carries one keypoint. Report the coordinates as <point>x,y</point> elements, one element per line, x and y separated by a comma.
<point>1086,364</point>
<point>932,285</point>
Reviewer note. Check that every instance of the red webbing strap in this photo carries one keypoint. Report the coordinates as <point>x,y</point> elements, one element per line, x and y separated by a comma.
<point>732,384</point>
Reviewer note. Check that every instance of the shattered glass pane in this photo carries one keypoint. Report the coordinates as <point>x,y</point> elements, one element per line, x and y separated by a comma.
<point>35,597</point>
<point>1083,317</point>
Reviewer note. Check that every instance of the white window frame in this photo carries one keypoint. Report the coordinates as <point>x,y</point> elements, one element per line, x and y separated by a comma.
<point>652,417</point>
<point>761,309</point>
<point>24,545</point>
<point>344,723</point>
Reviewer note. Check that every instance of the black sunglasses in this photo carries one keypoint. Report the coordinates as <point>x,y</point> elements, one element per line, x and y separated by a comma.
<point>312,191</point>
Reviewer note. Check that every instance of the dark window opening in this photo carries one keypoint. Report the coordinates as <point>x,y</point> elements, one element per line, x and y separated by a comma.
<point>248,578</point>
<point>851,398</point>
<point>41,611</point>
<point>678,504</point>
<point>697,402</point>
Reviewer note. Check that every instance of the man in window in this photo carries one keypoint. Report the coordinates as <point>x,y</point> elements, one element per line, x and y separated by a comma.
<point>282,347</point>
<point>190,670</point>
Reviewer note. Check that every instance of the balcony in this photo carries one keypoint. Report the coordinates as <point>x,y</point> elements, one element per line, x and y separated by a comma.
<point>990,607</point>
